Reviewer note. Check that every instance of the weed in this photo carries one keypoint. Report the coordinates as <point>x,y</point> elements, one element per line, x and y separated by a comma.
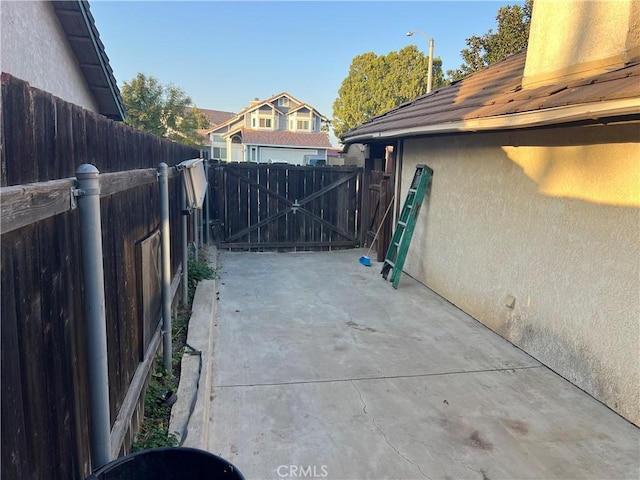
<point>154,431</point>
<point>198,270</point>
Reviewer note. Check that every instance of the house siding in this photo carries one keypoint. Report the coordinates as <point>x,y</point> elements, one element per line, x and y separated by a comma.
<point>551,218</point>
<point>35,49</point>
<point>294,156</point>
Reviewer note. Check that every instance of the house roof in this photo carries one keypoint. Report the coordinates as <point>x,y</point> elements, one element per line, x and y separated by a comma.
<point>84,39</point>
<point>308,107</point>
<point>285,138</point>
<point>217,117</point>
<point>268,101</point>
<point>493,99</point>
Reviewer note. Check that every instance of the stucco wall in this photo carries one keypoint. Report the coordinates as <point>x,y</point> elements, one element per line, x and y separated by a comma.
<point>35,49</point>
<point>551,218</point>
<point>596,35</point>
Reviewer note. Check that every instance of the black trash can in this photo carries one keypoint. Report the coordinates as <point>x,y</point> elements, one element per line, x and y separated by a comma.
<point>169,463</point>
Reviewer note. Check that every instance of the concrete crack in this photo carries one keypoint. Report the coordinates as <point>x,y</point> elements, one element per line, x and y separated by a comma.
<point>384,435</point>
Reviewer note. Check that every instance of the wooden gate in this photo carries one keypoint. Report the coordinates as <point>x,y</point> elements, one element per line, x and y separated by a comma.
<point>380,191</point>
<point>286,207</point>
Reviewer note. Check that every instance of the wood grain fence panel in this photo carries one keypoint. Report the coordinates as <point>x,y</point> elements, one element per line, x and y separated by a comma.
<point>44,132</point>
<point>18,132</point>
<point>261,209</point>
<point>254,202</point>
<point>62,157</point>
<point>13,443</point>
<point>45,407</point>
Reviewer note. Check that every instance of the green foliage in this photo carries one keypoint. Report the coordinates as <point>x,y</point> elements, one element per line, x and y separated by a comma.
<point>198,270</point>
<point>154,431</point>
<point>163,110</point>
<point>377,83</point>
<point>511,37</point>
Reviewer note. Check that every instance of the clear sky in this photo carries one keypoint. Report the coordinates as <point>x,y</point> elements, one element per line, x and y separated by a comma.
<point>225,53</point>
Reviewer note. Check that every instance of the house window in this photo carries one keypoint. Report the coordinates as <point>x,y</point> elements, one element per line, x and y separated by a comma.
<point>253,122</point>
<point>303,125</point>
<point>220,153</point>
<point>265,123</point>
<point>283,102</point>
<point>253,154</point>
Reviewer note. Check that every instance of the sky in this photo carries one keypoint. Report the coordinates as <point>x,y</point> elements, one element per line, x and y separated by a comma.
<point>223,54</point>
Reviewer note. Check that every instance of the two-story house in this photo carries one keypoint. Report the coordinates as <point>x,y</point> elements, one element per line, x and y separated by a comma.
<point>278,129</point>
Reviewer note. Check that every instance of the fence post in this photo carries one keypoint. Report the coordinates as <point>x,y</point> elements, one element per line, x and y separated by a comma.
<point>200,226</point>
<point>206,204</point>
<point>194,214</point>
<point>88,192</point>
<point>163,180</point>
<point>185,255</point>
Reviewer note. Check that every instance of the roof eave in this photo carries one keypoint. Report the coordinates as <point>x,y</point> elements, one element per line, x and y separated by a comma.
<point>537,118</point>
<point>117,110</point>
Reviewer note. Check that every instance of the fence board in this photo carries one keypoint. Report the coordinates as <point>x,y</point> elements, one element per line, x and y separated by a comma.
<point>287,207</point>
<point>43,337</point>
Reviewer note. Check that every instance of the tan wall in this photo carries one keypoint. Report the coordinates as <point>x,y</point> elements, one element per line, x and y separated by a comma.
<point>34,48</point>
<point>551,218</point>
<point>354,155</point>
<point>597,35</point>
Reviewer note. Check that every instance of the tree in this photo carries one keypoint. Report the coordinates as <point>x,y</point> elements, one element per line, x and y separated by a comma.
<point>377,83</point>
<point>163,110</point>
<point>511,37</point>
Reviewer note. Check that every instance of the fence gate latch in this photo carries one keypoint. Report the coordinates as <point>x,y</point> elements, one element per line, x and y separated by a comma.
<point>295,206</point>
<point>75,192</point>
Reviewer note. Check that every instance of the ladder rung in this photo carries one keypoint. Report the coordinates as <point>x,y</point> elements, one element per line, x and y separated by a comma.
<point>386,260</point>
<point>401,223</point>
<point>413,190</point>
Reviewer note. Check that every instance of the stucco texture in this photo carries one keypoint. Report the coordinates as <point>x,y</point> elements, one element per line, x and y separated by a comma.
<point>34,48</point>
<point>552,219</point>
<point>595,35</point>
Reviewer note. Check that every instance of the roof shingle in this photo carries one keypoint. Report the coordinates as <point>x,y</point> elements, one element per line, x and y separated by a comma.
<point>496,91</point>
<point>285,138</point>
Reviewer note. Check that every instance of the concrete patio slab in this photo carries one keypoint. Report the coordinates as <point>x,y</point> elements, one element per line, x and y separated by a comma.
<point>323,370</point>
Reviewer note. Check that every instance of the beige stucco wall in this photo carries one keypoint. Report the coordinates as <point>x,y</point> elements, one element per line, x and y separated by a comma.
<point>597,35</point>
<point>354,155</point>
<point>551,218</point>
<point>34,48</point>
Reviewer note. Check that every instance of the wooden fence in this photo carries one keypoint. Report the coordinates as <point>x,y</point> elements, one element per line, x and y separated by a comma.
<point>286,207</point>
<point>44,401</point>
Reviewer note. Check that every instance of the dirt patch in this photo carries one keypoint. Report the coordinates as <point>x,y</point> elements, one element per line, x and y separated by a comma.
<point>476,441</point>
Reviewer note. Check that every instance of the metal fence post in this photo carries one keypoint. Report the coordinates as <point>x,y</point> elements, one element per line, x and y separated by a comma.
<point>88,193</point>
<point>200,226</point>
<point>185,246</point>
<point>194,213</point>
<point>163,180</point>
<point>206,204</point>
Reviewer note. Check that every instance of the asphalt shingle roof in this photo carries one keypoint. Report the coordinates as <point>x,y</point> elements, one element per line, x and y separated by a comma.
<point>285,138</point>
<point>497,91</point>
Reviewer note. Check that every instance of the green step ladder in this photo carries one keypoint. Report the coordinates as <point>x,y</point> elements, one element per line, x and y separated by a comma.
<point>397,251</point>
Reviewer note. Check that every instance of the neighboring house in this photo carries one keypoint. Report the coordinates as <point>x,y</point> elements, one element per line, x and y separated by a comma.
<point>55,46</point>
<point>334,156</point>
<point>532,223</point>
<point>215,117</point>
<point>278,129</point>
